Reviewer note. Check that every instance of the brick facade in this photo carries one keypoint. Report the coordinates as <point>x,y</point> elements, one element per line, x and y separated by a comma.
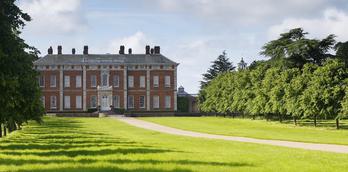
<point>105,84</point>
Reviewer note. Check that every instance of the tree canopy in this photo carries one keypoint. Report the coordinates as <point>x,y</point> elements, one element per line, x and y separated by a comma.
<point>20,94</point>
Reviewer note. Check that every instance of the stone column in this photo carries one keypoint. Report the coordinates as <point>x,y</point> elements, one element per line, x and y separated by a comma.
<point>125,88</point>
<point>148,89</point>
<point>61,84</point>
<point>175,89</point>
<point>84,94</point>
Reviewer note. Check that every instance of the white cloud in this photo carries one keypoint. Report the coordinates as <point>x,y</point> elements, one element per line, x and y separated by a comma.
<point>137,42</point>
<point>243,11</point>
<point>332,21</point>
<point>53,16</point>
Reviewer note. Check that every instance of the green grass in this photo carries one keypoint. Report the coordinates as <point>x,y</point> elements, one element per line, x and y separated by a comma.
<point>104,144</point>
<point>258,129</point>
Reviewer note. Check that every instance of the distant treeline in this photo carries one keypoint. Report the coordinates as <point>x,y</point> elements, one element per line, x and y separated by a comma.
<point>301,80</point>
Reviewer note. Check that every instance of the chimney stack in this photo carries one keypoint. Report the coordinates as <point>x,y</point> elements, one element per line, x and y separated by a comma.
<point>152,50</point>
<point>73,51</point>
<point>85,49</point>
<point>59,49</point>
<point>121,49</point>
<point>50,50</point>
<point>129,51</point>
<point>157,50</point>
<point>147,49</point>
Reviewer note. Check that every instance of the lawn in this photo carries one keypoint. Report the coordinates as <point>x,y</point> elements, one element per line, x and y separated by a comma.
<point>104,144</point>
<point>326,133</point>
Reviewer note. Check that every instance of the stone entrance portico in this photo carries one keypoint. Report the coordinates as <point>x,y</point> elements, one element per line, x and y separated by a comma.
<point>104,97</point>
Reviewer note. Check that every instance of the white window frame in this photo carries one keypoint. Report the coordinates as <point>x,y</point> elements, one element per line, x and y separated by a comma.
<point>116,81</point>
<point>142,81</point>
<point>53,81</point>
<point>93,105</point>
<point>167,81</point>
<point>93,80</point>
<point>104,81</point>
<point>130,102</point>
<point>116,101</point>
<point>168,102</point>
<point>78,102</point>
<point>53,102</point>
<point>142,101</point>
<point>155,102</point>
<point>78,81</point>
<point>156,81</point>
<point>66,81</point>
<point>130,81</point>
<point>43,101</point>
<point>42,81</point>
<point>67,102</point>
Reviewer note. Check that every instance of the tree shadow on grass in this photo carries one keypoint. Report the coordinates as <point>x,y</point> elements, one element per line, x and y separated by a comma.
<point>330,124</point>
<point>108,169</point>
<point>55,139</point>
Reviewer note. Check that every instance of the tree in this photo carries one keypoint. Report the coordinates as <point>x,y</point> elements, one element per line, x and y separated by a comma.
<point>20,94</point>
<point>220,65</point>
<point>342,51</point>
<point>297,50</point>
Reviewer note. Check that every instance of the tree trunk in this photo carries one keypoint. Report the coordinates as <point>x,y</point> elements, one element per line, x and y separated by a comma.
<point>315,120</point>
<point>337,124</point>
<point>280,117</point>
<point>253,117</point>
<point>0,130</point>
<point>295,120</point>
<point>5,130</point>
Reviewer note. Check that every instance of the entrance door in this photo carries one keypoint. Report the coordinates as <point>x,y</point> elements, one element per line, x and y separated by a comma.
<point>105,103</point>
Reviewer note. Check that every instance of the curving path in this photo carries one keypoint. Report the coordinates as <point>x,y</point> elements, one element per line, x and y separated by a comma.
<point>291,144</point>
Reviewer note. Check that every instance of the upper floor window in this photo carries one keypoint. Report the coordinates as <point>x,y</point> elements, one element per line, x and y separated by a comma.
<point>167,81</point>
<point>66,81</point>
<point>130,81</point>
<point>42,81</point>
<point>93,81</point>
<point>78,81</point>
<point>116,81</point>
<point>155,81</point>
<point>142,82</point>
<point>53,81</point>
<point>105,80</point>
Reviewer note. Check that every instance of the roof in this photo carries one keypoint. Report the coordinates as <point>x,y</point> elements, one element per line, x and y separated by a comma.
<point>75,59</point>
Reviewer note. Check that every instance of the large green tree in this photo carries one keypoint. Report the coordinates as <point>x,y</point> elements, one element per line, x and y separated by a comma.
<point>20,94</point>
<point>220,65</point>
<point>293,49</point>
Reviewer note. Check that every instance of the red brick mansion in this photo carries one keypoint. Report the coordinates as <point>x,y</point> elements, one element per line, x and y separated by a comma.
<point>138,82</point>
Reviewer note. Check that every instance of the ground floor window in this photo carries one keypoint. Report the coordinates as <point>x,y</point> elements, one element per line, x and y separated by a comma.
<point>43,101</point>
<point>116,101</point>
<point>167,101</point>
<point>53,102</point>
<point>67,102</point>
<point>130,101</point>
<point>78,102</point>
<point>142,101</point>
<point>155,102</point>
<point>93,101</point>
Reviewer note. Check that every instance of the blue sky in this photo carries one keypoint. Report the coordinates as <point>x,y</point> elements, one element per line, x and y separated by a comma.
<point>190,32</point>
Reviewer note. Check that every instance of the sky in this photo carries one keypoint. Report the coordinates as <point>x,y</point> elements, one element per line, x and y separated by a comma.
<point>192,33</point>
